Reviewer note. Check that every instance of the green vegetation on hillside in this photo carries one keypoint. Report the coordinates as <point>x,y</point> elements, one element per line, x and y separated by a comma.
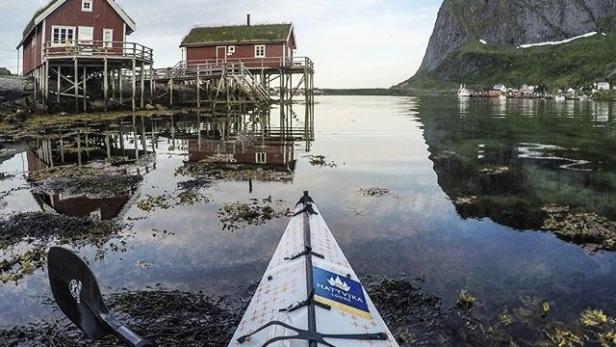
<point>576,64</point>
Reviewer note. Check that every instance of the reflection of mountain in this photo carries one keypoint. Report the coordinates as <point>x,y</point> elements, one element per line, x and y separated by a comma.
<point>509,167</point>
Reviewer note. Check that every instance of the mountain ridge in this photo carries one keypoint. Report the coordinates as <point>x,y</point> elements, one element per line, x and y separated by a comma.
<point>503,25</point>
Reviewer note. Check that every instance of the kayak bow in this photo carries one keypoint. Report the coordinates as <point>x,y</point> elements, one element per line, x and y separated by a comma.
<point>310,295</point>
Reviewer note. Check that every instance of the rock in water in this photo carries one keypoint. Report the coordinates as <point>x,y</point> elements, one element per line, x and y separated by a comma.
<point>504,24</point>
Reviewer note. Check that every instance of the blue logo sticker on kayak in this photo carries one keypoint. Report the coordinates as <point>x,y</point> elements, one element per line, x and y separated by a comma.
<point>341,292</point>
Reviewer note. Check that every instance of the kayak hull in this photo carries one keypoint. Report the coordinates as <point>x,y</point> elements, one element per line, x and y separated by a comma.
<point>341,304</point>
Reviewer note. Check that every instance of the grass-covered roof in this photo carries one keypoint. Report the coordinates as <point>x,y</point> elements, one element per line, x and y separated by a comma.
<point>237,34</point>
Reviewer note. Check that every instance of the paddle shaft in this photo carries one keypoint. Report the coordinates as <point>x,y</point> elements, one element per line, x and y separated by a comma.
<point>129,337</point>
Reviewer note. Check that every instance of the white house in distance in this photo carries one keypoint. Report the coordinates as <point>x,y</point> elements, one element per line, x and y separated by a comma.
<point>602,86</point>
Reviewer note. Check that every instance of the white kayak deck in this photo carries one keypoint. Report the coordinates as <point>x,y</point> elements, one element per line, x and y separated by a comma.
<point>284,285</point>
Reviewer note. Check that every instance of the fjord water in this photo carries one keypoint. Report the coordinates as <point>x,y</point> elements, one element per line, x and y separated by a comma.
<point>491,247</point>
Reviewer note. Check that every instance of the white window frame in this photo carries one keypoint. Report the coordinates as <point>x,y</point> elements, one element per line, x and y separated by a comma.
<point>261,157</point>
<point>66,29</point>
<point>108,44</point>
<point>230,50</point>
<point>260,51</point>
<point>83,5</point>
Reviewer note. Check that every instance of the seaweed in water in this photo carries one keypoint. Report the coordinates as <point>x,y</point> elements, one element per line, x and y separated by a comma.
<point>320,160</point>
<point>39,229</point>
<point>5,176</point>
<point>238,214</point>
<point>375,191</point>
<point>581,227</point>
<point>167,201</point>
<point>170,318</point>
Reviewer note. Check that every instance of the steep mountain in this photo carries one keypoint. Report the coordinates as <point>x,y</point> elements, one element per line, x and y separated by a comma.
<point>477,42</point>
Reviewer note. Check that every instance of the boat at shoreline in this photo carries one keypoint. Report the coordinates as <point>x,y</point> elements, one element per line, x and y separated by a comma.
<point>463,92</point>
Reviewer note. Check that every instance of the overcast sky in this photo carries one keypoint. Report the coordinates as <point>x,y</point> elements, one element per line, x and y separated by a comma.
<point>354,43</point>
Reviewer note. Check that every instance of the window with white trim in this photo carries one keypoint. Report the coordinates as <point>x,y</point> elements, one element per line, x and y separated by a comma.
<point>62,36</point>
<point>260,51</point>
<point>86,5</point>
<point>261,157</point>
<point>231,49</point>
<point>107,38</point>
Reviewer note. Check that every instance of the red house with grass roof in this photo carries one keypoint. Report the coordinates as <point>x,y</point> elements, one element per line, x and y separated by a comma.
<point>268,46</point>
<point>57,27</point>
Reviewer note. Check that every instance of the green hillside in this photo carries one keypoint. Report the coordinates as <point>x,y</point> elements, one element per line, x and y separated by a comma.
<point>574,64</point>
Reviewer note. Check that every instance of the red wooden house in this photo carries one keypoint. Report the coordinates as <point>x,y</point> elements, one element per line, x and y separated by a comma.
<point>269,46</point>
<point>63,26</point>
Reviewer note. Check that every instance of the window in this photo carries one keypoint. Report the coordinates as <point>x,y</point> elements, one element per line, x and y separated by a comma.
<point>261,158</point>
<point>107,38</point>
<point>86,5</point>
<point>231,49</point>
<point>62,36</point>
<point>260,51</point>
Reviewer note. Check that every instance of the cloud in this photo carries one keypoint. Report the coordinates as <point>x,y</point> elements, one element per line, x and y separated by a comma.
<point>359,43</point>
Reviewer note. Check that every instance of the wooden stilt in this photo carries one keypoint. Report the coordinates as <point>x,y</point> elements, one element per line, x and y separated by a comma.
<point>62,150</point>
<point>105,84</point>
<point>134,85</point>
<point>142,86</point>
<point>85,92</point>
<point>59,82</point>
<point>46,83</point>
<point>198,87</point>
<point>151,85</point>
<point>108,146</point>
<point>76,85</point>
<point>171,91</point>
<point>79,148</point>
<point>121,85</point>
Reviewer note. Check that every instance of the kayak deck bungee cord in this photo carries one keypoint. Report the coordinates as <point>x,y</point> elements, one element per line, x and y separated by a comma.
<point>310,295</point>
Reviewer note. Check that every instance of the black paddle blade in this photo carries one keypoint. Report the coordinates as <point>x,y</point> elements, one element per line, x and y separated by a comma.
<point>77,293</point>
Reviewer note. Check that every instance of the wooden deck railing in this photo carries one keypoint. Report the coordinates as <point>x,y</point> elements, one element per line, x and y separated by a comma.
<point>98,49</point>
<point>249,63</point>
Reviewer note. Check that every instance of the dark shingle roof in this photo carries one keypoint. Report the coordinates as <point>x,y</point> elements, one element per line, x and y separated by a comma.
<point>237,34</point>
<point>32,21</point>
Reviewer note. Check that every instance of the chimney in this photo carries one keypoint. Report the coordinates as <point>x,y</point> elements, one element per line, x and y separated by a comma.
<point>248,19</point>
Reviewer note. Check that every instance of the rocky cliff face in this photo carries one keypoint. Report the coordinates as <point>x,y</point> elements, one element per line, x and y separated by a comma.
<point>510,23</point>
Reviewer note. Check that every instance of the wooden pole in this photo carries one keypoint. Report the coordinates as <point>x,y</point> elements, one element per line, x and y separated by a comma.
<point>151,85</point>
<point>76,82</point>
<point>134,85</point>
<point>171,91</point>
<point>121,86</point>
<point>62,150</point>
<point>105,84</point>
<point>85,93</point>
<point>46,83</point>
<point>79,148</point>
<point>108,145</point>
<point>142,77</point>
<point>59,82</point>
<point>198,87</point>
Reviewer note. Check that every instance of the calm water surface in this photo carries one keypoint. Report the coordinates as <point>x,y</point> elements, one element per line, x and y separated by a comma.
<point>427,151</point>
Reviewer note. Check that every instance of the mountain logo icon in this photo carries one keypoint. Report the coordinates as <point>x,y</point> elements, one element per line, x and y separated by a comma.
<point>338,283</point>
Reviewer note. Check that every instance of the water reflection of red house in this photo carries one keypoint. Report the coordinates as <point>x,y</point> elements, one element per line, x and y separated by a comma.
<point>103,208</point>
<point>77,206</point>
<point>264,154</point>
